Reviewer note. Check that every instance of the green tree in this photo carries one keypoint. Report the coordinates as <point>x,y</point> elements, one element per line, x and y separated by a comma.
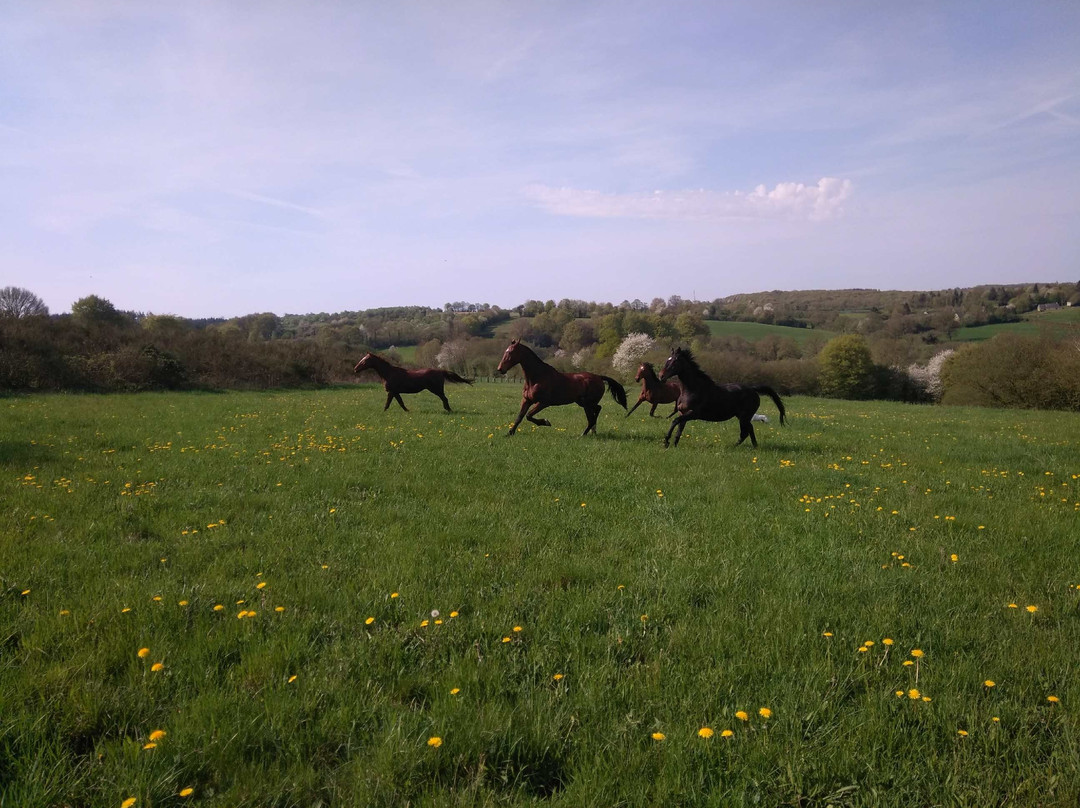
<point>847,369</point>
<point>96,310</point>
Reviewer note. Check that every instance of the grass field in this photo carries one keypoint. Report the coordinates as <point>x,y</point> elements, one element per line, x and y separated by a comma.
<point>1056,324</point>
<point>296,599</point>
<point>752,332</point>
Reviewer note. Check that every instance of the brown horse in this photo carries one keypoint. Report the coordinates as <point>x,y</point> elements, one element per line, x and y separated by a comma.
<point>399,380</point>
<point>655,391</point>
<point>547,387</point>
<point>703,399</point>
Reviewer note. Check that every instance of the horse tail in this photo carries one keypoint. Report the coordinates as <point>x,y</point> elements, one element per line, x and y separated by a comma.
<point>617,391</point>
<point>776,399</point>
<point>453,377</point>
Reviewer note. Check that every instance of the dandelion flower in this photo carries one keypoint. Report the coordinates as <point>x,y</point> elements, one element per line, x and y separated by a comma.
<point>989,683</point>
<point>658,736</point>
<point>826,634</point>
<point>157,666</point>
<point>742,715</point>
<point>1013,606</point>
<point>887,641</point>
<point>705,732</point>
<point>454,691</point>
<point>899,694</point>
<point>218,607</point>
<point>186,792</point>
<point>183,603</point>
<point>869,643</point>
<point>157,734</point>
<point>150,745</point>
<point>291,679</point>
<point>369,621</point>
<point>1032,609</point>
<point>25,592</point>
<point>393,594</point>
<point>453,614</point>
<point>962,733</point>
<point>434,741</point>
<point>260,585</point>
<point>517,628</point>
<point>765,712</point>
<point>913,694</point>
<point>279,608</point>
<point>727,733</point>
<point>954,558</point>
<point>128,802</point>
<point>424,623</point>
<point>144,653</point>
<point>64,612</point>
<point>506,639</point>
<point>996,720</point>
<point>1053,699</point>
<point>917,653</point>
<point>908,662</point>
<point>863,649</point>
<point>557,677</point>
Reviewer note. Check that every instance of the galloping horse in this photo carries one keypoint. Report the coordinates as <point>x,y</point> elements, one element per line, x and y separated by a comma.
<point>655,391</point>
<point>399,380</point>
<point>547,387</point>
<point>703,399</point>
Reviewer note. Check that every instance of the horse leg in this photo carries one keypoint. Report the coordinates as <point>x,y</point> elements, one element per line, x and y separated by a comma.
<point>746,430</point>
<point>652,411</point>
<point>532,415</point>
<point>682,425</point>
<point>521,414</point>
<point>389,401</point>
<point>592,413</point>
<point>640,399</point>
<point>440,392</point>
<point>399,401</point>
<point>674,424</point>
<point>674,411</point>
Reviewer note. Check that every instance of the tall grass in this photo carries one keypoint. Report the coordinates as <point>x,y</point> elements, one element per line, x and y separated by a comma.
<point>599,602</point>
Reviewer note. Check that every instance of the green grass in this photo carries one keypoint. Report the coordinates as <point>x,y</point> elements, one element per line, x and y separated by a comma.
<point>753,332</point>
<point>1056,324</point>
<point>670,589</point>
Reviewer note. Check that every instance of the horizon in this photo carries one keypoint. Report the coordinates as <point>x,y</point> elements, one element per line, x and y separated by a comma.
<point>200,161</point>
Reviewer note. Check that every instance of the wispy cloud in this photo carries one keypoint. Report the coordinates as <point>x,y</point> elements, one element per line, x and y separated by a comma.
<point>787,200</point>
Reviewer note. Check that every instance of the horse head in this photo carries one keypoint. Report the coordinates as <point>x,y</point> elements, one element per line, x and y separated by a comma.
<point>673,365</point>
<point>511,356</point>
<point>364,363</point>
<point>643,369</point>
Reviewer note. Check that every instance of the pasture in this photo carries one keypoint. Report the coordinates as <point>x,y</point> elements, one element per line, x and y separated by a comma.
<point>294,598</point>
<point>752,332</point>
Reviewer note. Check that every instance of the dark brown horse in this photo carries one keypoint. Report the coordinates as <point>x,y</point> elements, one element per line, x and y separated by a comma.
<point>547,387</point>
<point>400,380</point>
<point>655,391</point>
<point>705,400</point>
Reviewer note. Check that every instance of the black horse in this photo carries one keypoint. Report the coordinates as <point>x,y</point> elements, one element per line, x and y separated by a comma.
<point>703,399</point>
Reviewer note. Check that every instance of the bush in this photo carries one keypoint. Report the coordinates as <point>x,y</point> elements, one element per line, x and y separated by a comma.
<point>1014,371</point>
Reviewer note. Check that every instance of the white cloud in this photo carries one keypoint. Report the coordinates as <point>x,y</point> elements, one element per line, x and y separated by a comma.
<point>788,200</point>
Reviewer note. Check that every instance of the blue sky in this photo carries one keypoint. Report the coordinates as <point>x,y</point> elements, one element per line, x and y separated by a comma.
<point>223,158</point>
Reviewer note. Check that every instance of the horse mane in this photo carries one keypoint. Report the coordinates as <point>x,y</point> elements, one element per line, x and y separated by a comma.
<point>686,352</point>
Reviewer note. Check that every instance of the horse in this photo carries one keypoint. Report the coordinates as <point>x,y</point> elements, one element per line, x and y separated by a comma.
<point>400,380</point>
<point>655,391</point>
<point>547,387</point>
<point>703,399</point>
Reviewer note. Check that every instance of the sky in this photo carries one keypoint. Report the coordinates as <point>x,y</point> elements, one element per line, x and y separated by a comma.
<point>214,159</point>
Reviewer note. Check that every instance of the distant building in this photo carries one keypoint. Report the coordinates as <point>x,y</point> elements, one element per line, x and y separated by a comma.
<point>1049,306</point>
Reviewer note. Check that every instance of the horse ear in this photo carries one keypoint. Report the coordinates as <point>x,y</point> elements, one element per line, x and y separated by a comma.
<point>514,341</point>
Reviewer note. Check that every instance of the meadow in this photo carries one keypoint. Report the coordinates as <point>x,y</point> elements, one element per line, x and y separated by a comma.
<point>294,598</point>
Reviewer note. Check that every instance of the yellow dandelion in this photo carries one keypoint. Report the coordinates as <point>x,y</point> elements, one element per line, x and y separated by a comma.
<point>125,610</point>
<point>438,622</point>
<point>506,639</point>
<point>1053,699</point>
<point>64,612</point>
<point>453,614</point>
<point>658,736</point>
<point>962,733</point>
<point>899,694</point>
<point>183,603</point>
<point>434,741</point>
<point>157,734</point>
<point>917,653</point>
<point>913,694</point>
<point>157,666</point>
<point>705,732</point>
<point>279,608</point>
<point>989,683</point>
<point>557,677</point>
<point>1032,609</point>
<point>218,607</point>
<point>156,598</point>
<point>186,792</point>
<point>425,623</point>
<point>150,745</point>
<point>863,649</point>
<point>908,662</point>
<point>128,802</point>
<point>926,698</point>
<point>454,691</point>
<point>144,653</point>
<point>1013,606</point>
<point>742,715</point>
<point>727,733</point>
<point>517,628</point>
<point>765,712</point>
<point>260,585</point>
<point>996,720</point>
<point>393,594</point>
<point>242,614</point>
<point>869,643</point>
<point>887,641</point>
<point>826,634</point>
<point>954,558</point>
<point>369,621</point>
<point>291,679</point>
<point>25,592</point>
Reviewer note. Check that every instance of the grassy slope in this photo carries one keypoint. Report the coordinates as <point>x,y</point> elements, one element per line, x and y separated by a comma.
<point>663,613</point>
<point>1054,323</point>
<point>755,331</point>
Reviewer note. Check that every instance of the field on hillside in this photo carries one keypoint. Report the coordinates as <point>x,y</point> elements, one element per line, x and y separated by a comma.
<point>752,332</point>
<point>1056,324</point>
<point>296,599</point>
